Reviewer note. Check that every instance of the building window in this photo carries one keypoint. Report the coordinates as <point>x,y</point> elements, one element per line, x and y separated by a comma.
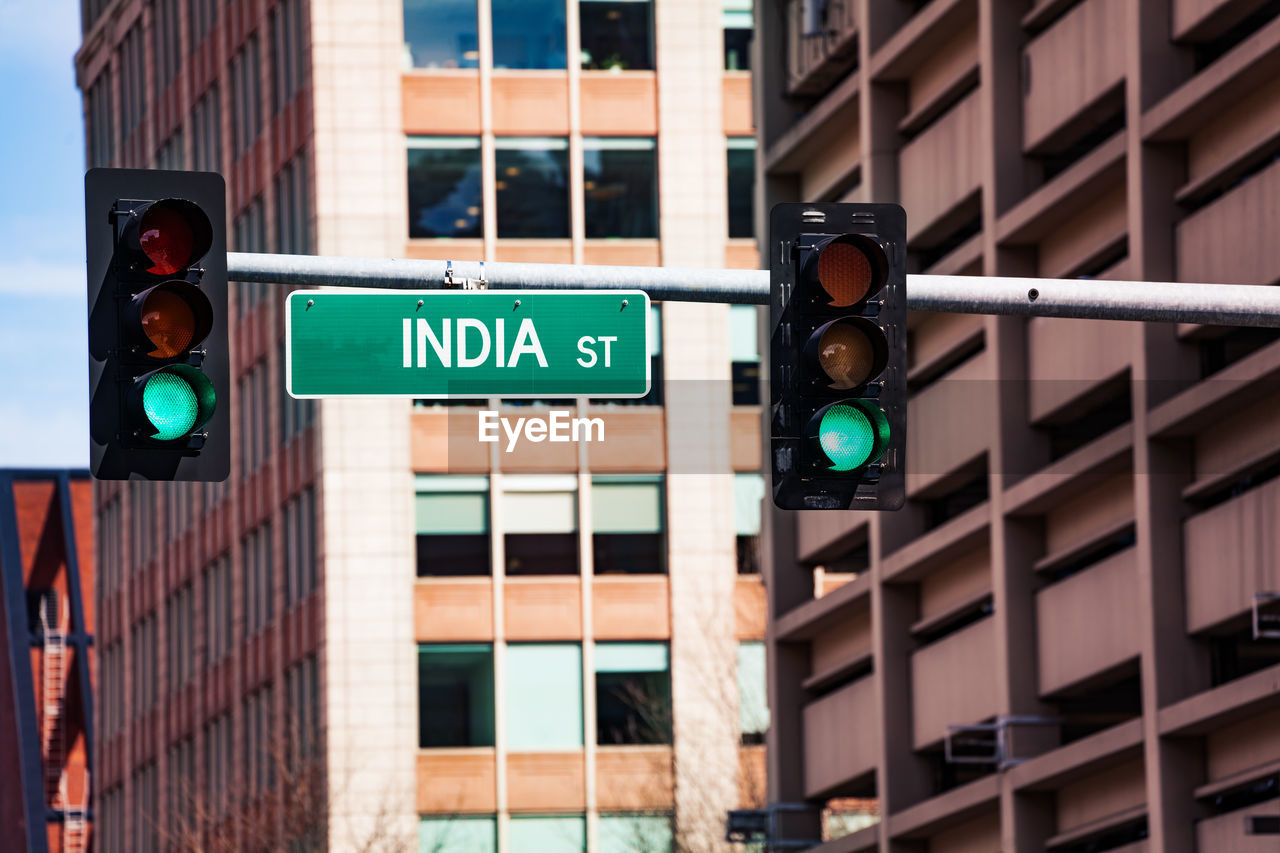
<point>441,34</point>
<point>287,62</point>
<point>540,514</point>
<point>457,833</point>
<point>617,35</point>
<point>247,104</point>
<point>742,185</point>
<point>738,25</point>
<point>633,693</point>
<point>744,354</point>
<point>206,132</point>
<point>544,696</point>
<point>548,834</point>
<point>300,550</point>
<point>528,33</point>
<point>621,184</point>
<point>166,42</point>
<point>455,695</point>
<point>628,520</point>
<point>293,212</point>
<point>452,517</point>
<point>748,493</point>
<point>169,156</point>
<point>532,183</point>
<point>203,15</point>
<point>101,130</point>
<point>753,705</point>
<point>444,186</point>
<point>624,833</point>
<point>133,75</point>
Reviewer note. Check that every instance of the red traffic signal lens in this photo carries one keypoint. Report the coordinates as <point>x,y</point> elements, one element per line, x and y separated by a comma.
<point>173,234</point>
<point>850,268</point>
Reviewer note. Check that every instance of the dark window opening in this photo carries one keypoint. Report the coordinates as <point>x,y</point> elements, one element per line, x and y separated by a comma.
<point>532,181</point>
<point>938,511</point>
<point>1108,839</point>
<point>1243,796</point>
<point>633,707</point>
<point>617,35</point>
<point>455,696</point>
<point>1069,436</point>
<point>741,157</point>
<point>748,549</point>
<point>444,188</point>
<point>542,553</point>
<point>450,403</point>
<point>1239,654</point>
<point>947,776</point>
<point>1210,52</point>
<point>746,383</point>
<point>926,257</point>
<point>956,622</point>
<point>620,180</point>
<point>1238,486</point>
<point>629,553</point>
<point>737,48</point>
<point>453,555</point>
<point>1090,711</point>
<point>1056,164</point>
<point>1219,353</point>
<point>1096,553</point>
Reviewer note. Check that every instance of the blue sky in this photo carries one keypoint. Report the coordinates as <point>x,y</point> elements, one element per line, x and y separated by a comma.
<point>44,386</point>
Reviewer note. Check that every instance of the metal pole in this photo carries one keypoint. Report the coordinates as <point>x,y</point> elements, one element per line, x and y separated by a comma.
<point>1215,304</point>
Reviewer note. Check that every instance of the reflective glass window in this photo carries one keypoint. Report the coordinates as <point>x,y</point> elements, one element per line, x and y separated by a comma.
<point>742,186</point>
<point>528,33</point>
<point>532,183</point>
<point>441,34</point>
<point>620,179</point>
<point>617,35</point>
<point>444,187</point>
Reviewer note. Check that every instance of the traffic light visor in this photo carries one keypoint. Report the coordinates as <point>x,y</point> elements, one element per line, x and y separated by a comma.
<point>174,316</point>
<point>176,400</point>
<point>850,351</point>
<point>850,268</point>
<point>173,234</point>
<point>852,434</point>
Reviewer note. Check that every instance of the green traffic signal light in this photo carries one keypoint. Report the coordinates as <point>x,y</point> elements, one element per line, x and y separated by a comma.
<point>851,434</point>
<point>174,402</point>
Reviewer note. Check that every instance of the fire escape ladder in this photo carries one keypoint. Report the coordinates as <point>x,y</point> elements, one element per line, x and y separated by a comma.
<point>53,687</point>
<point>75,829</point>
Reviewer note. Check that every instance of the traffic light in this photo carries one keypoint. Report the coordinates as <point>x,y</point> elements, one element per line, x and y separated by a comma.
<point>837,378</point>
<point>158,359</point>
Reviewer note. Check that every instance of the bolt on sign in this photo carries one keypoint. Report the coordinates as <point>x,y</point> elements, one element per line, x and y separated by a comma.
<point>428,344</point>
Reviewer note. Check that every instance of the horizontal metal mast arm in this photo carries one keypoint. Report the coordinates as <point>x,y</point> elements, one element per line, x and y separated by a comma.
<point>1215,304</point>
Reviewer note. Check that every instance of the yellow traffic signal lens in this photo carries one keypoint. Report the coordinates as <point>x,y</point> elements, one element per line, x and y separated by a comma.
<point>846,354</point>
<point>168,322</point>
<point>845,273</point>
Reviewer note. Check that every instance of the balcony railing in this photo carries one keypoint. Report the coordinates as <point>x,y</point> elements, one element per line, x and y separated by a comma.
<point>822,44</point>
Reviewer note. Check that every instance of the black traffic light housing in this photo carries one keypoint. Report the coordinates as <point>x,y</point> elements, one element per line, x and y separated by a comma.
<point>837,355</point>
<point>159,372</point>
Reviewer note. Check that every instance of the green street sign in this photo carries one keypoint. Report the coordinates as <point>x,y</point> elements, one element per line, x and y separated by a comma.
<point>510,343</point>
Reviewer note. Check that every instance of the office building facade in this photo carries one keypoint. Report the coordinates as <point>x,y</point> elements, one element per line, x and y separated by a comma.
<point>1067,640</point>
<point>380,628</point>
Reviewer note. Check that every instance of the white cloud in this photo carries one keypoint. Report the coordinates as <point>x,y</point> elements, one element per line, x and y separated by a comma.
<point>29,277</point>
